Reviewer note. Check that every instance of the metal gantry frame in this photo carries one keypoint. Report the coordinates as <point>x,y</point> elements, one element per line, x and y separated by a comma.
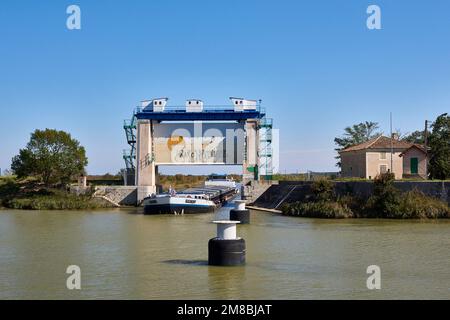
<point>209,113</point>
<point>265,147</point>
<point>129,155</point>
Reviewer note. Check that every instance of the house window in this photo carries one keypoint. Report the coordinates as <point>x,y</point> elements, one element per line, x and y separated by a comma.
<point>383,168</point>
<point>383,155</point>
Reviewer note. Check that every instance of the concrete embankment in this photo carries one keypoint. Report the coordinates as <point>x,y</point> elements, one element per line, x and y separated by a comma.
<point>264,209</point>
<point>291,191</point>
<point>117,195</point>
<point>254,189</point>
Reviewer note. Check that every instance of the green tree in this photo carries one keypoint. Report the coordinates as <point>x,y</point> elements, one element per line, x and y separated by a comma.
<point>356,134</point>
<point>51,155</point>
<point>415,137</point>
<point>439,144</point>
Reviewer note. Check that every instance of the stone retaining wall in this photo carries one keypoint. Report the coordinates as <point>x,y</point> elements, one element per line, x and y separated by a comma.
<point>123,195</point>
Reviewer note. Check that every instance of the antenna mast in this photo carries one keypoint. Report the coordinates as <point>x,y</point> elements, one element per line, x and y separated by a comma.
<point>392,144</point>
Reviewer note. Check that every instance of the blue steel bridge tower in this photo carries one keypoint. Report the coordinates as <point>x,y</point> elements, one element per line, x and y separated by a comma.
<point>148,134</point>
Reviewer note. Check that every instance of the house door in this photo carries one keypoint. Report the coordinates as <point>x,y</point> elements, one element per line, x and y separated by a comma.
<point>414,166</point>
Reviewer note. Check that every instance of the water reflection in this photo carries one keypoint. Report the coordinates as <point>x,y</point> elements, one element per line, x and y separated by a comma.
<point>189,262</point>
<point>226,282</point>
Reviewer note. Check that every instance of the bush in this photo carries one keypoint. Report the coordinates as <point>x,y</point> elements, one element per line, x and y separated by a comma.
<point>385,201</point>
<point>321,209</point>
<point>8,186</point>
<point>416,205</point>
<point>323,204</point>
<point>32,196</point>
<point>388,202</point>
<point>354,203</point>
<point>58,202</point>
<point>323,190</point>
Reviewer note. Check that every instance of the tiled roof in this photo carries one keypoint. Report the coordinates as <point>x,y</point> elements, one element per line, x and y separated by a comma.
<point>418,146</point>
<point>380,142</point>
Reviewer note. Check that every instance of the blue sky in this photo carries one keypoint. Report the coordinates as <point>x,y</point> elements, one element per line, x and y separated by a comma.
<point>314,64</point>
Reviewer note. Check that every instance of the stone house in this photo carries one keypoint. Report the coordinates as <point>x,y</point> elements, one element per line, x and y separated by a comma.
<point>368,159</point>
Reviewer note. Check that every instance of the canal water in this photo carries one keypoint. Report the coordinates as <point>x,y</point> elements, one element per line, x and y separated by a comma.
<point>126,255</point>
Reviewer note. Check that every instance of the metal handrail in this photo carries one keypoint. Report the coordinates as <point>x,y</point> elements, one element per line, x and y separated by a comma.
<point>206,108</point>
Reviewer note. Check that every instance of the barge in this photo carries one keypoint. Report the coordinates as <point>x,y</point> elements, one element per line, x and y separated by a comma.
<point>218,189</point>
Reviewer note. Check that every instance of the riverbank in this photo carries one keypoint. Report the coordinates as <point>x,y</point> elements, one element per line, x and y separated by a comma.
<point>411,206</point>
<point>31,195</point>
<point>385,202</point>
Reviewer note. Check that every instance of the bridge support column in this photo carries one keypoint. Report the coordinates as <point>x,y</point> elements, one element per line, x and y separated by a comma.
<point>145,164</point>
<point>250,170</point>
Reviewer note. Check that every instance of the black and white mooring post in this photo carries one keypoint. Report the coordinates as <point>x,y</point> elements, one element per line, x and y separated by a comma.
<point>239,213</point>
<point>226,249</point>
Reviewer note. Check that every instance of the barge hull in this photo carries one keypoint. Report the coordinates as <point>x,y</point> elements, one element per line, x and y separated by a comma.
<point>177,209</point>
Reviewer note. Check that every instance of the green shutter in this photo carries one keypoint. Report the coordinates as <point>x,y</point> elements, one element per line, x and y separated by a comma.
<point>414,166</point>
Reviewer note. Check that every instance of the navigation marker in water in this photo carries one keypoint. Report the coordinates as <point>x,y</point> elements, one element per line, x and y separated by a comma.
<point>239,213</point>
<point>226,249</point>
